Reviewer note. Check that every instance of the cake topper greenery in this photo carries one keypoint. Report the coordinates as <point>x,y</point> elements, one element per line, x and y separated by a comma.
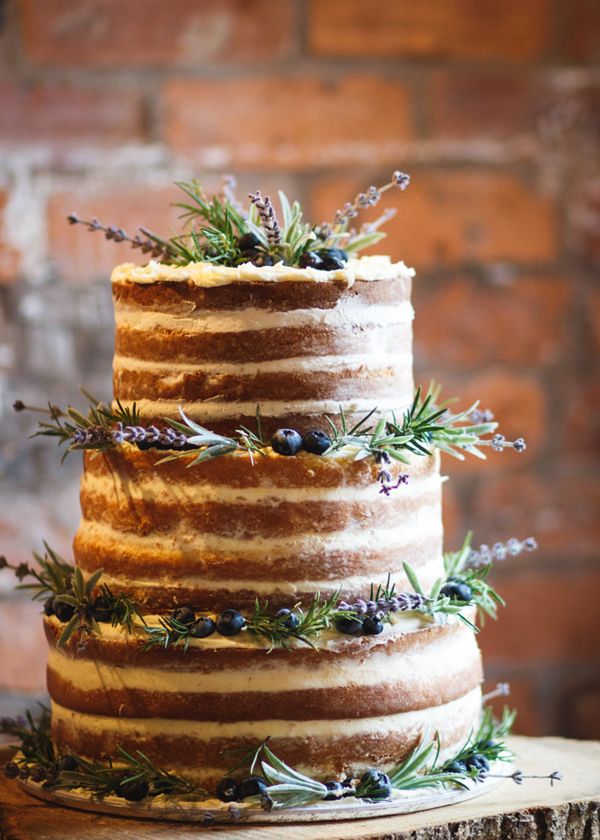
<point>218,229</point>
<point>260,778</point>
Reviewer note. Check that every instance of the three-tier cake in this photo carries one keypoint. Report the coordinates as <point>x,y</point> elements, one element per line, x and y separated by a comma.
<point>259,568</point>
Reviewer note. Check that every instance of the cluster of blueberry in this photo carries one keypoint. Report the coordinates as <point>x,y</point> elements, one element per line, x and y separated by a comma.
<point>228,623</point>
<point>290,442</point>
<point>327,259</point>
<point>475,760</point>
<point>375,783</point>
<point>64,611</point>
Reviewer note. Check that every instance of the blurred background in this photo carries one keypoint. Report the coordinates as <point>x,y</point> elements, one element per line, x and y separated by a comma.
<point>494,109</point>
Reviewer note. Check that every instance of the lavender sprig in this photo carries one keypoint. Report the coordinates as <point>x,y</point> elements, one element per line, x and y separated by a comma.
<point>370,198</point>
<point>149,243</point>
<point>268,218</point>
<point>485,555</point>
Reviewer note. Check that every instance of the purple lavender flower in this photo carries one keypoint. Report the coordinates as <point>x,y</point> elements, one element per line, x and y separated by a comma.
<point>400,179</point>
<point>268,219</point>
<point>484,555</point>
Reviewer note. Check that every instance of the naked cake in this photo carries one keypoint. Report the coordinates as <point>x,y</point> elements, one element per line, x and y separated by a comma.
<point>259,563</point>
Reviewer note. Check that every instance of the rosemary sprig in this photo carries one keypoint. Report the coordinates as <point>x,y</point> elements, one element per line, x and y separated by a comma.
<point>123,610</point>
<point>51,576</point>
<point>34,737</point>
<point>81,599</point>
<point>278,630</point>
<point>168,633</point>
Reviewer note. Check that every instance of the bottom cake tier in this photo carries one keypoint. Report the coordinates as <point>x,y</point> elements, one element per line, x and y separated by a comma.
<point>347,705</point>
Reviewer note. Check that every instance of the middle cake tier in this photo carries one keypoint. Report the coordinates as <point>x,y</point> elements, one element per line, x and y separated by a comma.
<point>224,532</point>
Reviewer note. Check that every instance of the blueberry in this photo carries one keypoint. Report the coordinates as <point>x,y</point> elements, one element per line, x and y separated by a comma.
<point>67,762</point>
<point>230,623</point>
<point>372,626</point>
<point>24,771</point>
<point>333,258</point>
<point>11,770</point>
<point>252,786</point>
<point>292,620</point>
<point>336,788</point>
<point>258,258</point>
<point>456,767</point>
<point>102,611</point>
<point>228,791</point>
<point>310,259</point>
<point>316,442</point>
<point>477,760</point>
<point>133,790</point>
<point>487,745</point>
<point>376,785</point>
<point>38,773</point>
<point>457,590</point>
<point>202,627</point>
<point>49,606</point>
<point>349,625</point>
<point>247,242</point>
<point>286,442</point>
<point>63,611</point>
<point>184,615</point>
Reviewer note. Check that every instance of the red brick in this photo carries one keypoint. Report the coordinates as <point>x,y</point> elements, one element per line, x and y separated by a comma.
<point>448,218</point>
<point>583,220</point>
<point>561,511</point>
<point>583,30</point>
<point>552,616</point>
<point>523,697</point>
<point>59,114</point>
<point>580,437</point>
<point>289,122</point>
<point>152,33</point>
<point>482,104</point>
<point>10,259</point>
<point>465,29</point>
<point>466,324</point>
<point>23,647</point>
<point>593,316</point>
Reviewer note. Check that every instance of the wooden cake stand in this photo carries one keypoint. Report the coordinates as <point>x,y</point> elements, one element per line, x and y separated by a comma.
<point>534,811</point>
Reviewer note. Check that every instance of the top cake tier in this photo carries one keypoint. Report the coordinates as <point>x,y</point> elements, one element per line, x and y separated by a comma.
<point>300,343</point>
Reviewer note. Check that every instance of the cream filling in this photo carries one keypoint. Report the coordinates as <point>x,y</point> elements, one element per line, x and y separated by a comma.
<point>211,410</point>
<point>115,487</point>
<point>369,363</point>
<point>429,664</point>
<point>344,314</point>
<point>426,521</point>
<point>263,589</point>
<point>206,274</point>
<point>428,719</point>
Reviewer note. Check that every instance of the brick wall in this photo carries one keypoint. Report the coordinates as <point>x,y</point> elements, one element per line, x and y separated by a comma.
<point>492,106</point>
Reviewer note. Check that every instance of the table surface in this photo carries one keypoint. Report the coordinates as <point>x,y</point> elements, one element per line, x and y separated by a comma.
<point>570,808</point>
